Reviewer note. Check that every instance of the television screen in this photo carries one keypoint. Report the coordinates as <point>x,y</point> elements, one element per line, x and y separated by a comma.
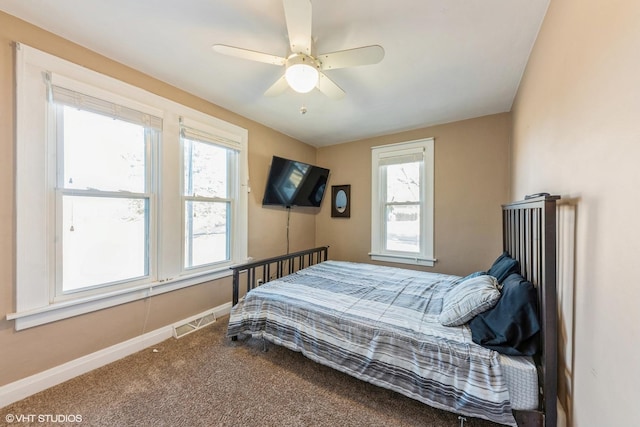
<point>293,183</point>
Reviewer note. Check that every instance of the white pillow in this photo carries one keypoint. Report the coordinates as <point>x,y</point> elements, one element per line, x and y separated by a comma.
<point>468,299</point>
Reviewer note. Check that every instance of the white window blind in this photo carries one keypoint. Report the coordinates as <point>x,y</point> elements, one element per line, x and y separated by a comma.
<point>61,95</point>
<point>191,129</point>
<point>406,156</point>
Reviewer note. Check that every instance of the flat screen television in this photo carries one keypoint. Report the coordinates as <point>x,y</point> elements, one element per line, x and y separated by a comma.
<point>293,183</point>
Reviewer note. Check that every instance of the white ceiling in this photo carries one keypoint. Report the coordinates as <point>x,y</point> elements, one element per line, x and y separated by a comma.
<point>445,60</point>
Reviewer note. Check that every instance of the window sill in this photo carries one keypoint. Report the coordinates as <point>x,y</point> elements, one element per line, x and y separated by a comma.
<point>70,308</point>
<point>403,259</point>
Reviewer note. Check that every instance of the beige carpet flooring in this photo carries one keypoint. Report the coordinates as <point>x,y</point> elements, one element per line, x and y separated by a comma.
<point>205,379</point>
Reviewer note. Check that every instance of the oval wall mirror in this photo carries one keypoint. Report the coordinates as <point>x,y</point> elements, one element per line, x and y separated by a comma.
<point>341,201</point>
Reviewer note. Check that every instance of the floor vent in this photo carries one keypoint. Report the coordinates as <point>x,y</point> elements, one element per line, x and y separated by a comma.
<point>194,324</point>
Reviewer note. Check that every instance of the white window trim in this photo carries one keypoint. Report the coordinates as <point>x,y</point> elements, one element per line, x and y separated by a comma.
<point>426,257</point>
<point>35,290</point>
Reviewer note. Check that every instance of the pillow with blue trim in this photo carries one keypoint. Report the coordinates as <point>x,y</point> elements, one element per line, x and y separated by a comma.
<point>469,298</point>
<point>472,275</point>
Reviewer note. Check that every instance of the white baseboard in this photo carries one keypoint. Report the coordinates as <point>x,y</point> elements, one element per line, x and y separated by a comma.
<point>26,387</point>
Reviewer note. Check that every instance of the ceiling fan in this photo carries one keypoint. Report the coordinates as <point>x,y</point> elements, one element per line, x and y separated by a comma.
<point>304,69</point>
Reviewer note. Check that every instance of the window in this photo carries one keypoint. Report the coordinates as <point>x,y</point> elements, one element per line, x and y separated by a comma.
<point>119,193</point>
<point>210,166</point>
<point>103,191</point>
<point>402,203</point>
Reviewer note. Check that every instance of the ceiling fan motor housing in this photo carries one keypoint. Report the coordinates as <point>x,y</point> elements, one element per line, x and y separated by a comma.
<point>302,72</point>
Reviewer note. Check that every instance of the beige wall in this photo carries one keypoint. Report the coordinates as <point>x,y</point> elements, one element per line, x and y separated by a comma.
<point>33,350</point>
<point>576,132</point>
<point>471,182</point>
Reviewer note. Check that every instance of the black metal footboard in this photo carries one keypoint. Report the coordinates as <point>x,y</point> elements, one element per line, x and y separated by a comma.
<point>257,272</point>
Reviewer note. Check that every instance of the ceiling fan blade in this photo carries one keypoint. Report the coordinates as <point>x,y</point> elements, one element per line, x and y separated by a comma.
<point>351,57</point>
<point>297,13</point>
<point>278,87</point>
<point>328,87</point>
<point>249,54</point>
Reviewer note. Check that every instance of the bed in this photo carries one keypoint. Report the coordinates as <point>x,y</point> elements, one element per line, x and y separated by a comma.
<point>385,325</point>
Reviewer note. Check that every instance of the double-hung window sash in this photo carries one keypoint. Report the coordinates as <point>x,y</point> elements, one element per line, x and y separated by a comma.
<point>210,189</point>
<point>104,192</point>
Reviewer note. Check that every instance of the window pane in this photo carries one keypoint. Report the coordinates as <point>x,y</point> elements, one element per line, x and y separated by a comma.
<point>206,233</point>
<point>205,167</point>
<point>403,228</point>
<point>104,240</point>
<point>102,153</point>
<point>403,182</point>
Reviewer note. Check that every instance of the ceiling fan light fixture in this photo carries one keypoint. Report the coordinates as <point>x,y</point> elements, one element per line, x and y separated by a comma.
<point>302,74</point>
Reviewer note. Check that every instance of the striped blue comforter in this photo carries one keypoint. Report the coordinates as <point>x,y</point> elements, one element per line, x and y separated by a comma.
<point>379,324</point>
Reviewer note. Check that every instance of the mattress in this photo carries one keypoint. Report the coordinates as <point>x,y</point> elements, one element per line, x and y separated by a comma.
<point>521,376</point>
<point>380,324</point>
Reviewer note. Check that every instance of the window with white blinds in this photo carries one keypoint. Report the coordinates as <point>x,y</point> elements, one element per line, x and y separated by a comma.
<point>105,197</point>
<point>210,164</point>
<point>402,203</point>
<point>119,193</point>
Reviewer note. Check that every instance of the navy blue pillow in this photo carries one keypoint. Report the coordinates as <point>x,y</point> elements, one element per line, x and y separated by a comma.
<point>511,326</point>
<point>503,266</point>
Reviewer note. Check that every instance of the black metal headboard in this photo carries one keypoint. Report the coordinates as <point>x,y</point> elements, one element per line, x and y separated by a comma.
<point>264,270</point>
<point>529,235</point>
